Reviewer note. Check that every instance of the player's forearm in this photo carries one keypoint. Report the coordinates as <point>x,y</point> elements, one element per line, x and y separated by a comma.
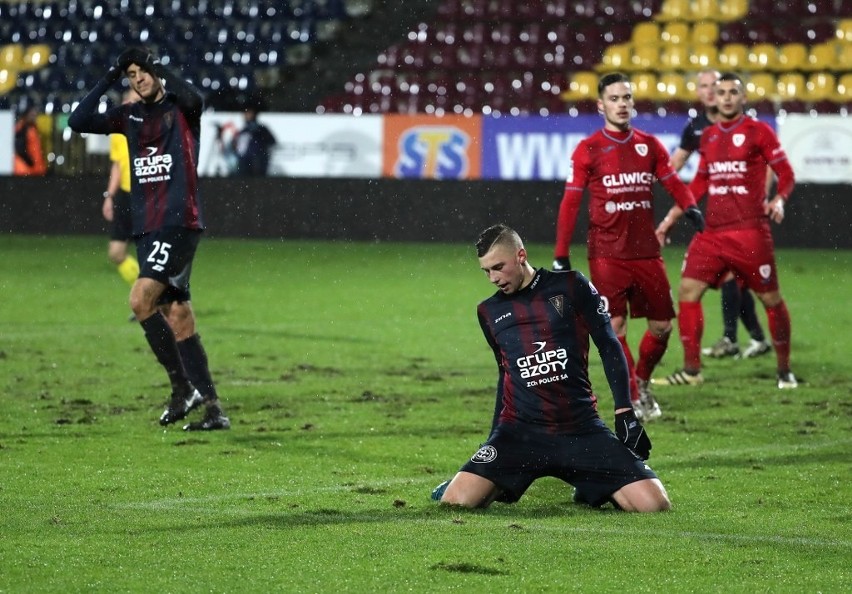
<point>114,179</point>
<point>786,178</point>
<point>188,97</point>
<point>85,117</point>
<point>679,158</point>
<point>566,221</point>
<point>614,364</point>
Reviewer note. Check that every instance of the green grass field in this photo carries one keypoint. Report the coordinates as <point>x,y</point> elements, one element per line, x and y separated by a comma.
<point>356,379</point>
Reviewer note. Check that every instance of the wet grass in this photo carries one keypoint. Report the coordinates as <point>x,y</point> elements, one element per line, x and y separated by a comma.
<point>356,379</point>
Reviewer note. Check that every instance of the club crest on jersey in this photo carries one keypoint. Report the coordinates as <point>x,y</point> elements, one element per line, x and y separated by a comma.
<point>484,455</point>
<point>642,149</point>
<point>558,303</point>
<point>765,270</point>
<point>738,139</point>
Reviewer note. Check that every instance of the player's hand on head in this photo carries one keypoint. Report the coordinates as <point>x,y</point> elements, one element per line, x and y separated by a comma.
<point>563,263</point>
<point>696,217</point>
<point>632,434</point>
<point>136,55</point>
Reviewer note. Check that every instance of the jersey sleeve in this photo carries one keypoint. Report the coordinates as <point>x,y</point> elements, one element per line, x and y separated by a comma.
<point>776,158</point>
<point>593,311</point>
<point>668,177</point>
<point>571,199</point>
<point>489,338</point>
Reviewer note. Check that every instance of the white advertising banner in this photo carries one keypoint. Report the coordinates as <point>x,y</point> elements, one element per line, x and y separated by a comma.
<point>306,145</point>
<point>819,148</point>
<point>7,148</point>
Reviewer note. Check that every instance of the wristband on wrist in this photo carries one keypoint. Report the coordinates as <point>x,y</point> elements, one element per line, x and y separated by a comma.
<point>107,195</point>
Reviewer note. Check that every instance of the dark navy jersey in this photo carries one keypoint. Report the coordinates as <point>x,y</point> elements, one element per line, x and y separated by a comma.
<point>540,338</point>
<point>163,143</point>
<point>690,139</point>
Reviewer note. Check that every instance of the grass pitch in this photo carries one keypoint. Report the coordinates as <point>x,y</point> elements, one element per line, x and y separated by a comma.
<point>356,379</point>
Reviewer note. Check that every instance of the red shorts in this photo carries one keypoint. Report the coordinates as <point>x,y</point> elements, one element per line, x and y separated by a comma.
<point>748,253</point>
<point>641,283</point>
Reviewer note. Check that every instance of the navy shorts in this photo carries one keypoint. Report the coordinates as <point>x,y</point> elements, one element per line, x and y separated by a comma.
<point>596,463</point>
<point>122,221</point>
<point>166,256</point>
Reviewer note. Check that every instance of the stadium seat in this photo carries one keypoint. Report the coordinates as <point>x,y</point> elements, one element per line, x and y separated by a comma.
<point>8,80</point>
<point>674,10</point>
<point>644,86</point>
<point>11,56</point>
<point>733,56</point>
<point>645,33</point>
<point>844,57</point>
<point>616,57</point>
<point>704,56</point>
<point>844,89</point>
<point>792,56</point>
<point>675,32</point>
<point>672,86</point>
<point>821,86</point>
<point>822,56</point>
<point>759,86</point>
<point>762,56</point>
<point>704,32</point>
<point>704,11</point>
<point>646,57</point>
<point>582,85</point>
<point>675,57</point>
<point>35,57</point>
<point>844,30</point>
<point>732,10</point>
<point>791,86</point>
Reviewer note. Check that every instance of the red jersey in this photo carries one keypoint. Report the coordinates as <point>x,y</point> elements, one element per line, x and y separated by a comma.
<point>732,172</point>
<point>619,168</point>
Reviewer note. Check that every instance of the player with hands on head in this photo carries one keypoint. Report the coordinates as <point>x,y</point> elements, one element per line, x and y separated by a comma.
<point>162,131</point>
<point>619,165</point>
<point>546,422</point>
<point>735,153</point>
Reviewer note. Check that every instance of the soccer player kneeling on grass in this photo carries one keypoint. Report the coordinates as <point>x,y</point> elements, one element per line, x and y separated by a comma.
<point>546,422</point>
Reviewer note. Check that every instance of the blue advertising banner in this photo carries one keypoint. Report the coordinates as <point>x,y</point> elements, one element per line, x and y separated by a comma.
<point>540,148</point>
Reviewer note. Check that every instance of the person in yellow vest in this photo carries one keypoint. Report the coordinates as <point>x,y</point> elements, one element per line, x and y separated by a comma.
<point>116,206</point>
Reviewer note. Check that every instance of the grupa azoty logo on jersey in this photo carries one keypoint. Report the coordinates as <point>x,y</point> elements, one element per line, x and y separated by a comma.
<point>543,362</point>
<point>152,167</point>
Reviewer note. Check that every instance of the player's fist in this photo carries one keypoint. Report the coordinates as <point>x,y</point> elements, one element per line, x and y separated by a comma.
<point>632,434</point>
<point>560,264</point>
<point>695,216</point>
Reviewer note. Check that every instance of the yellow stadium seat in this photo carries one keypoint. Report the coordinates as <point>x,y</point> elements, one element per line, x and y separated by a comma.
<point>704,56</point>
<point>844,88</point>
<point>733,56</point>
<point>675,57</point>
<point>674,10</point>
<point>821,86</point>
<point>672,86</point>
<point>644,85</point>
<point>844,30</point>
<point>645,33</point>
<point>732,10</point>
<point>35,57</point>
<point>704,32</point>
<point>792,56</point>
<point>645,57</point>
<point>10,56</point>
<point>704,10</point>
<point>675,32</point>
<point>615,57</point>
<point>8,80</point>
<point>761,85</point>
<point>844,57</point>
<point>791,86</point>
<point>823,56</point>
<point>762,56</point>
<point>583,85</point>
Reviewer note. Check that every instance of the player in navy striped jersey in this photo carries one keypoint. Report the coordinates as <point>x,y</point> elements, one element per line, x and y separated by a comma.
<point>546,421</point>
<point>162,132</point>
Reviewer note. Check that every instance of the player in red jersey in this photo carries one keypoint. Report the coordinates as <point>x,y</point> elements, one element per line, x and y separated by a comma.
<point>619,165</point>
<point>735,153</point>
